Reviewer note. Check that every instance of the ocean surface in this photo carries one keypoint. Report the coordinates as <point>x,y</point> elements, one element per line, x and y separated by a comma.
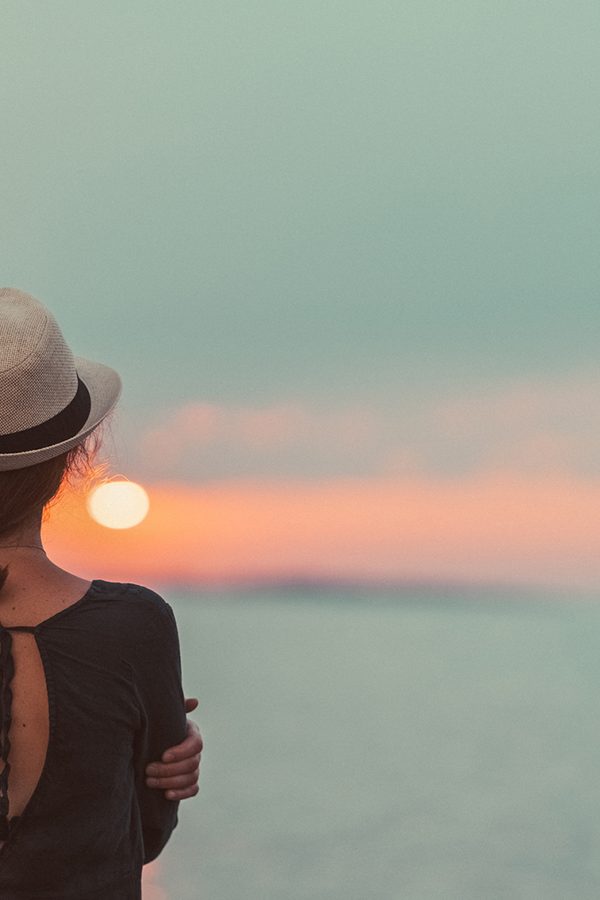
<point>382,746</point>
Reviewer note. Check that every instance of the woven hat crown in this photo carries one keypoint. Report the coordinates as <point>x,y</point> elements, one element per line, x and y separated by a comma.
<point>38,377</point>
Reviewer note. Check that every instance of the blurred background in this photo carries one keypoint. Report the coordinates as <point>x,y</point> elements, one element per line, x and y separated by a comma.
<point>345,258</point>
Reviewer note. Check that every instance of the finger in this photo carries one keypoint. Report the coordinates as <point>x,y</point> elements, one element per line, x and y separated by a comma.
<point>179,781</point>
<point>167,770</point>
<point>190,746</point>
<point>191,727</point>
<point>189,750</point>
<point>182,795</point>
<point>191,703</point>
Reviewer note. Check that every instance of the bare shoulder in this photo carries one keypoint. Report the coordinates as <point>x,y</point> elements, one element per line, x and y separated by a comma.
<point>31,596</point>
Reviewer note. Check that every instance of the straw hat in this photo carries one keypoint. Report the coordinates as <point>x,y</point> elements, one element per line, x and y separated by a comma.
<point>50,400</point>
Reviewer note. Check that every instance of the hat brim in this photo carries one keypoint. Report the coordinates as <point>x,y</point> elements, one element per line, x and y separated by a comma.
<point>104,386</point>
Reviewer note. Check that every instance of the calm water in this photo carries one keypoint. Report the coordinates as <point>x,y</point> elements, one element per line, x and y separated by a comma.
<point>389,748</point>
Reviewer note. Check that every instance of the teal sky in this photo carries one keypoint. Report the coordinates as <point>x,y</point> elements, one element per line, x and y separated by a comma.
<point>390,207</point>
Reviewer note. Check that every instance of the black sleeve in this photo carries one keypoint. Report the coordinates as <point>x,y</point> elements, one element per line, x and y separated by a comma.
<point>162,720</point>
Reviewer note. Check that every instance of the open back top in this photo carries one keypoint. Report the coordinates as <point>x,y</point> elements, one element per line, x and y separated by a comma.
<point>112,673</point>
<point>7,672</point>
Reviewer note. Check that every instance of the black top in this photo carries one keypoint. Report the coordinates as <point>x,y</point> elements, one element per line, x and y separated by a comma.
<point>115,703</point>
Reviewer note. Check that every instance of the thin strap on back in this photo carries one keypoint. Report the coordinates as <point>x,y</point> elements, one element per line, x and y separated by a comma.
<point>7,671</point>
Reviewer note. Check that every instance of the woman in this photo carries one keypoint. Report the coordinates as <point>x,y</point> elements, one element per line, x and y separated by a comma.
<point>90,674</point>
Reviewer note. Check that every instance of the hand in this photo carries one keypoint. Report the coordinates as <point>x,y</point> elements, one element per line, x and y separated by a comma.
<point>179,770</point>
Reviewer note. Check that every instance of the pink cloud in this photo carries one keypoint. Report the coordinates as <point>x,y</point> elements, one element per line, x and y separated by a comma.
<point>269,428</point>
<point>525,425</point>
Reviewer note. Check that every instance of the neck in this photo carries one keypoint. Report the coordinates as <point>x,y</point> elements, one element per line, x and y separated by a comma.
<point>22,545</point>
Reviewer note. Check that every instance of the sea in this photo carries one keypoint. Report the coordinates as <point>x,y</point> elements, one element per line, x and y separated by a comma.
<point>389,745</point>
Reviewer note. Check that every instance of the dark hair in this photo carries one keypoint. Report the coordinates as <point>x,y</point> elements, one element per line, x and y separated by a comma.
<point>25,493</point>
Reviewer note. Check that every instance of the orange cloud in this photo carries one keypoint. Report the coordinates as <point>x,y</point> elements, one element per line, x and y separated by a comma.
<point>492,526</point>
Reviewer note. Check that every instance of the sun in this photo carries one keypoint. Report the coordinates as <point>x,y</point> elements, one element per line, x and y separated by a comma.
<point>118,504</point>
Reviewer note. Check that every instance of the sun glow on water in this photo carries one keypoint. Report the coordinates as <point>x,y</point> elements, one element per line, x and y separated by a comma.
<point>118,504</point>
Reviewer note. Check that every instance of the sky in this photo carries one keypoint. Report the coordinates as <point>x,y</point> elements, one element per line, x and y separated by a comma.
<point>345,258</point>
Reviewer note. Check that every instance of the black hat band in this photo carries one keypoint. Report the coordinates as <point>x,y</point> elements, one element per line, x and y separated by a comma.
<point>64,425</point>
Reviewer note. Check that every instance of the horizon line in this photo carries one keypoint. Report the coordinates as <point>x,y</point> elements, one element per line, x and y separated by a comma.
<point>298,583</point>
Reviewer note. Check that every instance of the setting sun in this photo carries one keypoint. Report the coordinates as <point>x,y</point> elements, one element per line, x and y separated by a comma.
<point>118,504</point>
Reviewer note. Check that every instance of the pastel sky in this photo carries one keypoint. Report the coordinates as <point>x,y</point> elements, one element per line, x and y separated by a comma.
<point>346,258</point>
